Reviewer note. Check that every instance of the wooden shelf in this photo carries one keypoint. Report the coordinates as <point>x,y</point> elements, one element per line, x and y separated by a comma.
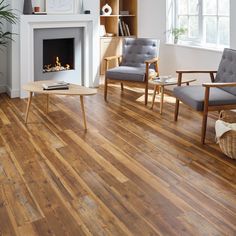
<point>111,46</point>
<point>122,37</point>
<point>118,16</point>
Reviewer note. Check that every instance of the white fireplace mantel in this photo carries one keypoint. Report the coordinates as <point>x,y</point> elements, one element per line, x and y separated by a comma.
<point>28,23</point>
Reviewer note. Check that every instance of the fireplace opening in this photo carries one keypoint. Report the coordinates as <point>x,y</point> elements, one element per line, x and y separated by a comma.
<point>58,55</point>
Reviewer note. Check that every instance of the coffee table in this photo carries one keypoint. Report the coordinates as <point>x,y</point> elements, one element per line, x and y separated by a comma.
<point>158,84</point>
<point>74,90</point>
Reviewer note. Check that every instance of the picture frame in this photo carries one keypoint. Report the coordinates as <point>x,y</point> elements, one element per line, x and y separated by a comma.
<point>61,6</point>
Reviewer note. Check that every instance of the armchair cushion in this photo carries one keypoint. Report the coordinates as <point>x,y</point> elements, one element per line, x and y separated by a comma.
<point>194,96</point>
<point>128,73</point>
<point>137,50</point>
<point>227,70</point>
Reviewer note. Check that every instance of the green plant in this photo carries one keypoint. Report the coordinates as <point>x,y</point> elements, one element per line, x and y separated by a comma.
<point>6,15</point>
<point>177,32</point>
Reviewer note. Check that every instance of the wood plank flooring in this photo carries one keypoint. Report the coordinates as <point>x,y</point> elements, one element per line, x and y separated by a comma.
<point>133,172</point>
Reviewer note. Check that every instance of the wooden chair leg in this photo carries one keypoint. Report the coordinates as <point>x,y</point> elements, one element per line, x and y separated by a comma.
<point>176,109</point>
<point>205,114</point>
<point>122,86</point>
<point>204,126</point>
<point>146,94</point>
<point>105,89</point>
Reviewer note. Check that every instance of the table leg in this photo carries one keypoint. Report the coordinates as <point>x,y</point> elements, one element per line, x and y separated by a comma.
<point>47,108</point>
<point>154,96</point>
<point>28,107</point>
<point>83,111</point>
<point>162,99</point>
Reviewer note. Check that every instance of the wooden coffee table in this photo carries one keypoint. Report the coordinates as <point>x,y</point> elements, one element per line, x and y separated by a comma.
<point>74,90</point>
<point>162,85</point>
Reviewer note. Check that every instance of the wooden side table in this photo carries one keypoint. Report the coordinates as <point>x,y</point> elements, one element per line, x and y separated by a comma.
<point>76,90</point>
<point>158,84</point>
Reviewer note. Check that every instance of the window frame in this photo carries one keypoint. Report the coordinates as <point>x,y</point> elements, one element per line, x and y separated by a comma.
<point>199,41</point>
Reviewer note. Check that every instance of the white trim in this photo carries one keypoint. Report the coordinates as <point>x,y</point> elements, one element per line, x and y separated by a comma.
<point>12,93</point>
<point>195,47</point>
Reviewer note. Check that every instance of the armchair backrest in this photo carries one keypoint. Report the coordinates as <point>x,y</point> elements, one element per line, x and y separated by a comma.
<point>227,70</point>
<point>137,50</point>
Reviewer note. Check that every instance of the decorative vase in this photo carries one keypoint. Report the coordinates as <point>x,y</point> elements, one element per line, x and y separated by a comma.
<point>28,9</point>
<point>106,10</point>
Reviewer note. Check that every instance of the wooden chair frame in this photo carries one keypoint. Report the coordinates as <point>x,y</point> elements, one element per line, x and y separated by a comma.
<point>207,107</point>
<point>148,63</point>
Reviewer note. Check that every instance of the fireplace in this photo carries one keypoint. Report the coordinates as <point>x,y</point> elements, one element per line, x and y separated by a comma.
<point>58,55</point>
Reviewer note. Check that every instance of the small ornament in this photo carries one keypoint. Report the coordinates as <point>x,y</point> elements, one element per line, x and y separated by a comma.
<point>28,9</point>
<point>106,10</point>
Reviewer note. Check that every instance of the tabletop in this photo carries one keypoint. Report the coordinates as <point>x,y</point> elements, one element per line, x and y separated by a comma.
<point>74,89</point>
<point>171,81</point>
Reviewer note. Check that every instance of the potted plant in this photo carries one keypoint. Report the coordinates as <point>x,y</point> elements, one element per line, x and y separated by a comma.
<point>177,32</point>
<point>6,15</point>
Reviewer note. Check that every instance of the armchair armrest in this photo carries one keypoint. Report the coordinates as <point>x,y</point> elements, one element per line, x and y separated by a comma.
<point>148,63</point>
<point>112,58</point>
<point>151,61</point>
<point>108,59</point>
<point>181,72</point>
<point>219,85</point>
<point>195,71</point>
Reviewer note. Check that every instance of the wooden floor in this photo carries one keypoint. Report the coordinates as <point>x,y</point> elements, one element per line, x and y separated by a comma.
<point>132,173</point>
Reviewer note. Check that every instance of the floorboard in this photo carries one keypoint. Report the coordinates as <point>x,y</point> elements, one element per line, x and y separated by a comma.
<point>134,172</point>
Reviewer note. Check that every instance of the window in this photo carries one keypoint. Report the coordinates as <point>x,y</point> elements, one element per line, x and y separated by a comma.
<point>206,23</point>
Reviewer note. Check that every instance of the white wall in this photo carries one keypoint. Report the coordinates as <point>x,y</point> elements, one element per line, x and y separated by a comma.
<point>152,23</point>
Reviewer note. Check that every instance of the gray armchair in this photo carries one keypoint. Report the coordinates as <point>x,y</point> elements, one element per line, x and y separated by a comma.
<point>215,96</point>
<point>138,63</point>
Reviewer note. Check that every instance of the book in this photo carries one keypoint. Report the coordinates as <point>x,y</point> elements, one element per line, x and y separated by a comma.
<point>40,13</point>
<point>56,85</point>
<point>124,28</point>
<point>121,32</point>
<point>57,88</point>
<point>127,29</point>
<point>124,13</point>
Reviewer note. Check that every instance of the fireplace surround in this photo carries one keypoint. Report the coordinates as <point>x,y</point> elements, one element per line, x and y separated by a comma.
<point>58,54</point>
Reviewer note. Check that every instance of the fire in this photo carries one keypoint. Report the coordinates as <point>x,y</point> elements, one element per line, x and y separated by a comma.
<point>56,67</point>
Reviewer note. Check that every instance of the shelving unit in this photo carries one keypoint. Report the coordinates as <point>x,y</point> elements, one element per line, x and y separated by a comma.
<point>110,46</point>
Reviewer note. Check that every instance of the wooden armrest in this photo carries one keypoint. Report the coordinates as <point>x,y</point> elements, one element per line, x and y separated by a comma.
<point>195,71</point>
<point>112,58</point>
<point>151,61</point>
<point>219,85</point>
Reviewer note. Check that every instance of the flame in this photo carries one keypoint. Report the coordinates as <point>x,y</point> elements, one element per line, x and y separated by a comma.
<point>56,67</point>
<point>58,63</point>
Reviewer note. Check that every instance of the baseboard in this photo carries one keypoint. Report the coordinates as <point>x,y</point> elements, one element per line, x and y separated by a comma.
<point>12,93</point>
<point>2,89</point>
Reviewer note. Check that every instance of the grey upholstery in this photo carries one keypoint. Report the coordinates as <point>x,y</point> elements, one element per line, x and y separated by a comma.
<point>194,96</point>
<point>128,73</point>
<point>227,70</point>
<point>135,53</point>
